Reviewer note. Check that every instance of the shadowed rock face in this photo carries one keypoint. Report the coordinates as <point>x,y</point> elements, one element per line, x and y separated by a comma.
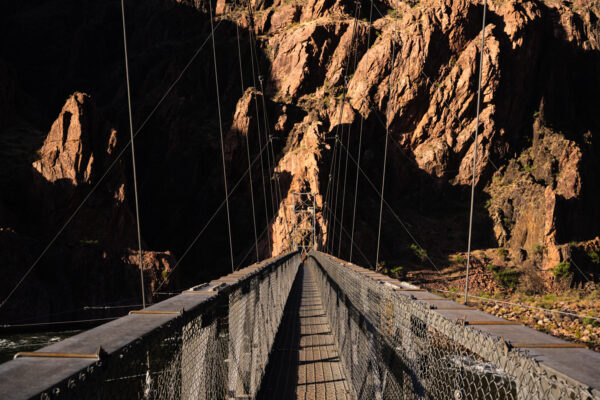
<point>329,68</point>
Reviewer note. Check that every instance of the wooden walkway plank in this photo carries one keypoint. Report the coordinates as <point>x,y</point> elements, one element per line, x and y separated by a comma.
<point>306,363</point>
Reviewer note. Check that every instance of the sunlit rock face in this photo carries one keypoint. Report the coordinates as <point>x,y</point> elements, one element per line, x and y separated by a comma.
<point>318,79</point>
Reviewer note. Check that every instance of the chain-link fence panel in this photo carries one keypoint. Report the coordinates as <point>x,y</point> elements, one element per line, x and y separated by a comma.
<point>204,344</point>
<point>394,347</point>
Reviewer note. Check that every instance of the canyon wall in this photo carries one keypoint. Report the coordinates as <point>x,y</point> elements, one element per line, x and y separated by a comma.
<point>299,81</point>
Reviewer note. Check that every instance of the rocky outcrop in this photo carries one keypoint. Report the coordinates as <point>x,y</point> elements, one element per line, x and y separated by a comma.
<point>78,141</point>
<point>157,267</point>
<point>78,152</point>
<point>301,163</point>
<point>410,74</point>
<point>528,198</point>
<point>309,55</point>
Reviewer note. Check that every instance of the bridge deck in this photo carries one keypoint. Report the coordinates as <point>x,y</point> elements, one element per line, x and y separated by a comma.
<point>305,363</point>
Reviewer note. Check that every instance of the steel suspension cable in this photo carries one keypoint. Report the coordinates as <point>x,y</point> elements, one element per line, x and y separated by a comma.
<point>474,172</point>
<point>338,170</point>
<point>352,44</point>
<point>106,172</point>
<point>395,215</point>
<point>237,31</point>
<point>268,136</point>
<point>241,263</point>
<point>262,172</point>
<point>135,185</point>
<point>354,244</point>
<point>339,174</point>
<point>328,196</point>
<point>275,174</point>
<point>222,141</point>
<point>360,133</point>
<point>254,55</point>
<point>387,134</point>
<point>215,213</point>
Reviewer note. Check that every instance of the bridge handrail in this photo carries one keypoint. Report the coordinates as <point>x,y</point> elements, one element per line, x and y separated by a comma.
<point>68,369</point>
<point>391,314</point>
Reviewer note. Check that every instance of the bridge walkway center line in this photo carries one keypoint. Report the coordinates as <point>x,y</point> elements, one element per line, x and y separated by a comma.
<point>305,363</point>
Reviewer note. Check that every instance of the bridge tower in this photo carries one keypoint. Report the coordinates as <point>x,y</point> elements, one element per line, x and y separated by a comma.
<point>304,211</point>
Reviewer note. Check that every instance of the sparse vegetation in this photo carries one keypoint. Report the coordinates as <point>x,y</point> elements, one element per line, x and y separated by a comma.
<point>527,168</point>
<point>397,269</point>
<point>394,13</point>
<point>505,277</point>
<point>502,253</point>
<point>89,242</point>
<point>459,259</point>
<point>419,252</point>
<point>594,256</point>
<point>562,270</point>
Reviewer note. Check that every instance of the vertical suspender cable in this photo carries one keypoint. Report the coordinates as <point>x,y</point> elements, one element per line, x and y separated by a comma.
<point>221,133</point>
<point>387,134</point>
<point>237,31</point>
<point>326,205</point>
<point>268,142</point>
<point>135,190</point>
<point>335,188</point>
<point>362,120</point>
<point>329,200</point>
<point>475,152</point>
<point>262,174</point>
<point>338,173</point>
<point>275,174</point>
<point>352,43</point>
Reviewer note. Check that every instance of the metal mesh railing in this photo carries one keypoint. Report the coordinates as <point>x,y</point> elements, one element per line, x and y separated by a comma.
<point>394,347</point>
<point>219,351</point>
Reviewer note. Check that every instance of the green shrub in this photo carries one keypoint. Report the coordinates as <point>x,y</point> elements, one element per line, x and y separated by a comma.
<point>505,277</point>
<point>538,249</point>
<point>459,259</point>
<point>419,252</point>
<point>562,270</point>
<point>594,257</point>
<point>502,253</point>
<point>527,168</point>
<point>397,270</point>
<point>394,13</point>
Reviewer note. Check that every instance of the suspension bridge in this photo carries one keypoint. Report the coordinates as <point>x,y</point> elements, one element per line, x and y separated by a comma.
<point>304,324</point>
